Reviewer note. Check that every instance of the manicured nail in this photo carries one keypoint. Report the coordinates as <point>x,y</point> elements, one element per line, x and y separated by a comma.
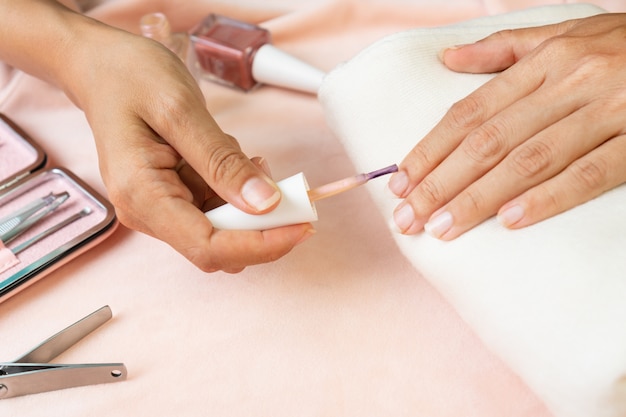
<point>398,183</point>
<point>440,55</point>
<point>511,215</point>
<point>439,225</point>
<point>442,52</point>
<point>404,217</point>
<point>259,194</point>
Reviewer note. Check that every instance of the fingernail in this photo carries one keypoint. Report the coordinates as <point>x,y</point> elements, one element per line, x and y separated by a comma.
<point>440,55</point>
<point>439,225</point>
<point>511,215</point>
<point>259,194</point>
<point>442,52</point>
<point>310,232</point>
<point>404,217</point>
<point>398,183</point>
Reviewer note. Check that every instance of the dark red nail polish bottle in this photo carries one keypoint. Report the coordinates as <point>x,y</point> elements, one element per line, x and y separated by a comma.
<point>241,55</point>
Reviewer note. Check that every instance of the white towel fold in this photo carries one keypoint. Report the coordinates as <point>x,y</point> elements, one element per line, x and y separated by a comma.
<point>549,299</point>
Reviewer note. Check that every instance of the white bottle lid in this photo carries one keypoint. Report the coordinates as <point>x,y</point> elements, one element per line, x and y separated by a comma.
<point>294,208</point>
<point>275,67</point>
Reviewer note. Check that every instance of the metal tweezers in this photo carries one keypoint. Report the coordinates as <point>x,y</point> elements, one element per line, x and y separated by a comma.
<point>31,374</point>
<point>17,223</point>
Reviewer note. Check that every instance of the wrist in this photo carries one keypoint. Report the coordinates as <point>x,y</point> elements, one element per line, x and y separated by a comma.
<point>48,41</point>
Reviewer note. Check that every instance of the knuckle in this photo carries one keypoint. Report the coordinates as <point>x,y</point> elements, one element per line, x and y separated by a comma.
<point>206,256</point>
<point>431,191</point>
<point>468,113</point>
<point>233,256</point>
<point>117,197</point>
<point>552,200</point>
<point>614,103</point>
<point>547,201</point>
<point>590,60</point>
<point>173,106</point>
<point>588,65</point>
<point>421,155</point>
<point>124,216</point>
<point>590,174</point>
<point>554,45</point>
<point>487,142</point>
<point>545,198</point>
<point>122,202</point>
<point>198,257</point>
<point>531,159</point>
<point>475,201</point>
<point>224,163</point>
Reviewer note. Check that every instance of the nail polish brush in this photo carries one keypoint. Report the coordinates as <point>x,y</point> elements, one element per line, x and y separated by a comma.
<point>336,187</point>
<point>296,205</point>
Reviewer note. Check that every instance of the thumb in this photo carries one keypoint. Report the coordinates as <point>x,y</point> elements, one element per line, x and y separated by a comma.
<point>219,160</point>
<point>237,179</point>
<point>500,50</point>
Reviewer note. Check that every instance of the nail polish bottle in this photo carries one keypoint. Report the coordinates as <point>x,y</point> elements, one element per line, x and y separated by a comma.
<point>156,26</point>
<point>241,55</point>
<point>295,207</point>
<point>297,204</point>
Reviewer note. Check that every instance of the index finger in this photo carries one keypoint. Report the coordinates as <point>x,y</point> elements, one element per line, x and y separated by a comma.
<point>188,231</point>
<point>182,119</point>
<point>463,117</point>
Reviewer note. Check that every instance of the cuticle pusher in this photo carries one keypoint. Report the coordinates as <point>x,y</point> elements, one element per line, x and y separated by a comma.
<point>53,229</point>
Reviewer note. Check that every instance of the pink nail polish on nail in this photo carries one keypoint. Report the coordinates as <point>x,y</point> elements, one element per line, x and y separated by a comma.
<point>259,194</point>
<point>398,183</point>
<point>404,217</point>
<point>511,215</point>
<point>439,225</point>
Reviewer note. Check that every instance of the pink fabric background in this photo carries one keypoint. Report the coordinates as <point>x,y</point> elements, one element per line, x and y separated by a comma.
<point>343,325</point>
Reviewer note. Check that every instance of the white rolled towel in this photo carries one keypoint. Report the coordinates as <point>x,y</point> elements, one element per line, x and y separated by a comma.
<point>549,299</point>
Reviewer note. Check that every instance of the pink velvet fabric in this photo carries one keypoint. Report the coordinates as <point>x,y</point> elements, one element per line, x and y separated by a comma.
<point>342,326</point>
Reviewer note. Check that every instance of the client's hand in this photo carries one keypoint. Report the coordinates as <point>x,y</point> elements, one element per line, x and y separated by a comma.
<point>545,135</point>
<point>162,156</point>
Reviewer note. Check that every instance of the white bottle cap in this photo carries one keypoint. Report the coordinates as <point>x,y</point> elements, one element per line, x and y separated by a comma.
<point>275,67</point>
<point>294,208</point>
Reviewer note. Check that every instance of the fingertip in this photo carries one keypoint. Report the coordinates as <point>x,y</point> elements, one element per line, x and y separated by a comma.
<point>308,233</point>
<point>260,194</point>
<point>511,215</point>
<point>404,220</point>
<point>491,54</point>
<point>398,183</point>
<point>439,224</point>
<point>441,55</point>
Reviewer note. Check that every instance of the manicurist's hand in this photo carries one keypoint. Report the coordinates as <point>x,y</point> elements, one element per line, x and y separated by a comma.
<point>546,134</point>
<point>147,113</point>
<point>161,154</point>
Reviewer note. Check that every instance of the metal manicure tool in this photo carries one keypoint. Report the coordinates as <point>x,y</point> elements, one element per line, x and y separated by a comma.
<point>17,223</point>
<point>31,374</point>
<point>51,230</point>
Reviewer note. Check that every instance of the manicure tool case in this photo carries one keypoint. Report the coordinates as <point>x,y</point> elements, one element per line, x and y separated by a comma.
<point>48,215</point>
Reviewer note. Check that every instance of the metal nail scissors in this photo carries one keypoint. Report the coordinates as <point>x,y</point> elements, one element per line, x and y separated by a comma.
<point>31,374</point>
